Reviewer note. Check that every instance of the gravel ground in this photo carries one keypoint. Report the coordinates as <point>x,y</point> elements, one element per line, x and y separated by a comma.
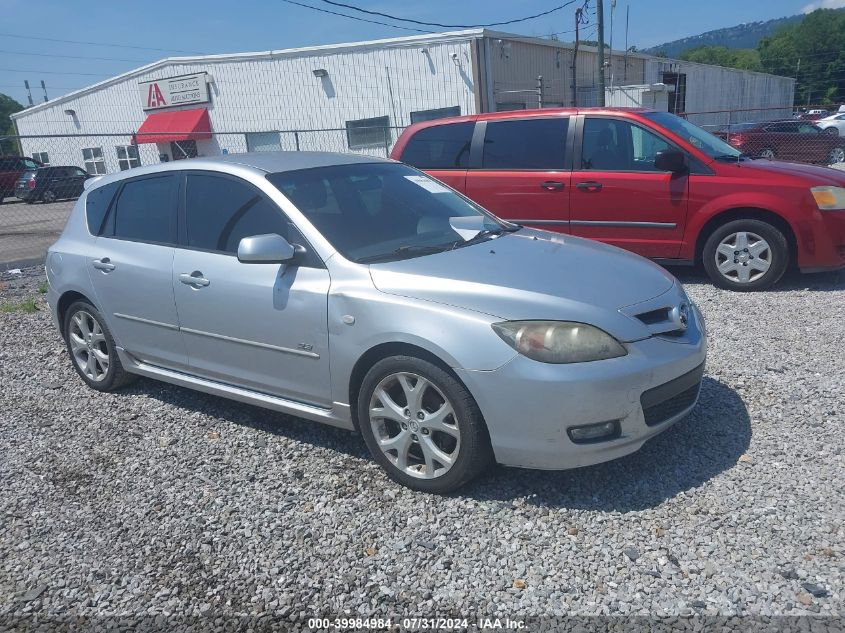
<point>162,501</point>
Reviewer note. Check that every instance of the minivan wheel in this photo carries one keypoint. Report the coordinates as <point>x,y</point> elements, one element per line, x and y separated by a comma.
<point>92,350</point>
<point>745,255</point>
<point>837,155</point>
<point>422,425</point>
<point>48,196</point>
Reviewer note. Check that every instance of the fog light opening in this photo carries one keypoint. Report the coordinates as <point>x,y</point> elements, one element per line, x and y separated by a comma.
<point>590,433</point>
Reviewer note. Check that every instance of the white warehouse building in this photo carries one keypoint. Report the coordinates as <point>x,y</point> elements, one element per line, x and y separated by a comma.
<point>359,96</point>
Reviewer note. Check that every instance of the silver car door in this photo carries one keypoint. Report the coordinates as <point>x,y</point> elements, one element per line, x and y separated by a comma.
<point>259,326</point>
<point>131,270</point>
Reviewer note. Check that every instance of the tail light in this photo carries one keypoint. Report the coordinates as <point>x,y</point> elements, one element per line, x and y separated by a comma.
<point>736,139</point>
<point>31,183</point>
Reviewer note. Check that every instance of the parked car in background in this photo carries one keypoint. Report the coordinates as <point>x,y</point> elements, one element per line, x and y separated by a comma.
<point>811,114</point>
<point>799,141</point>
<point>11,169</point>
<point>52,183</point>
<point>646,181</point>
<point>833,124</point>
<point>361,293</point>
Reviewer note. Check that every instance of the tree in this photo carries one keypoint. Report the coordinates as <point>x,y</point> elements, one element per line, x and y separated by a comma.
<point>743,58</point>
<point>8,106</point>
<point>812,51</point>
<point>7,128</point>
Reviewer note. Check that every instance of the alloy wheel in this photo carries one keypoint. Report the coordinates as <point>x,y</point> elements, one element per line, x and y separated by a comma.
<point>743,257</point>
<point>48,196</point>
<point>88,346</point>
<point>415,425</point>
<point>837,155</point>
<point>768,154</point>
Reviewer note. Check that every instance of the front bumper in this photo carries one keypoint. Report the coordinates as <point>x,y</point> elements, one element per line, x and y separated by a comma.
<point>530,406</point>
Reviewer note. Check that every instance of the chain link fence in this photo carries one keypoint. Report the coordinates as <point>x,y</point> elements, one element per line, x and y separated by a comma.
<point>36,202</point>
<point>41,176</point>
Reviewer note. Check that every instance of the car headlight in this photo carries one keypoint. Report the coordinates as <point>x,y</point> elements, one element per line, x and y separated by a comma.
<point>559,341</point>
<point>829,198</point>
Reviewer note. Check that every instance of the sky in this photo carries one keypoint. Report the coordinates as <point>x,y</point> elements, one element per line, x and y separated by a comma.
<point>153,29</point>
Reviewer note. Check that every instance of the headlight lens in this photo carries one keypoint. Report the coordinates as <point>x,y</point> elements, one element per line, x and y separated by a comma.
<point>559,341</point>
<point>829,198</point>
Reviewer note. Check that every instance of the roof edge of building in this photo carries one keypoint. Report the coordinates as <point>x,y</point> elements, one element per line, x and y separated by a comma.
<point>446,36</point>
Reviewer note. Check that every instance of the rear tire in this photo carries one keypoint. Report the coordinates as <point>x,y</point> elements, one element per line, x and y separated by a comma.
<point>768,153</point>
<point>832,131</point>
<point>837,155</point>
<point>746,255</point>
<point>48,196</point>
<point>92,350</point>
<point>430,435</point>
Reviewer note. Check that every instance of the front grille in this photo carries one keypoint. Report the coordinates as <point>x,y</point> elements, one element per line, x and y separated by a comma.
<point>671,398</point>
<point>669,408</point>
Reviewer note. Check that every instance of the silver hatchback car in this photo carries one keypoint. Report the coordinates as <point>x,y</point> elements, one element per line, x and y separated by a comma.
<point>361,293</point>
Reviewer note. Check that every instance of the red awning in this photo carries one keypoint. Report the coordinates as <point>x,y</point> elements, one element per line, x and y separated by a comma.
<point>181,125</point>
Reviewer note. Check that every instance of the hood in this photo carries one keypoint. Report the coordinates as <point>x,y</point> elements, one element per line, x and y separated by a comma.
<point>813,174</point>
<point>533,275</point>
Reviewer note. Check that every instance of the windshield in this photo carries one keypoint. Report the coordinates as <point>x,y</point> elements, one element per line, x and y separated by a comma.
<point>375,212</point>
<point>711,145</point>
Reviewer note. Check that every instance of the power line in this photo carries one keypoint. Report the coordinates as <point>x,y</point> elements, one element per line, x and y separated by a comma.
<point>105,59</point>
<point>142,48</point>
<point>353,17</point>
<point>52,72</point>
<point>449,26</point>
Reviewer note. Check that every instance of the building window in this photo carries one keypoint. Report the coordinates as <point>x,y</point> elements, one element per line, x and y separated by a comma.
<point>263,142</point>
<point>127,157</point>
<point>95,164</point>
<point>437,113</point>
<point>365,133</point>
<point>509,105</point>
<point>41,157</point>
<point>183,149</point>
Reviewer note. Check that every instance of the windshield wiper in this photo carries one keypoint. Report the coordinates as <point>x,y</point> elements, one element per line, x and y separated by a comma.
<point>733,157</point>
<point>486,234</point>
<point>409,250</point>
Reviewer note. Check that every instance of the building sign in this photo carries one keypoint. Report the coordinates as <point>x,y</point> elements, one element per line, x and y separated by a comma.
<point>174,91</point>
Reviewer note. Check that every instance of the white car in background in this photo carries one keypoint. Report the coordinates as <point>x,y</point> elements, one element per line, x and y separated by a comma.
<point>833,124</point>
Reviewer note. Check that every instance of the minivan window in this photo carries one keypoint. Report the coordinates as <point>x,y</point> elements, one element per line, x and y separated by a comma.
<point>222,211</point>
<point>440,147</point>
<point>616,145</point>
<point>711,145</point>
<point>146,210</point>
<point>374,212</point>
<point>538,144</point>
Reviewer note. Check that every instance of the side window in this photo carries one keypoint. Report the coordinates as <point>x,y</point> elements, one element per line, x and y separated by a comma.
<point>440,147</point>
<point>97,204</point>
<point>614,145</point>
<point>146,210</point>
<point>221,211</point>
<point>526,144</point>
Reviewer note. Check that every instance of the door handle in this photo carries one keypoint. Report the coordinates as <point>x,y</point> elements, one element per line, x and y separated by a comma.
<point>103,264</point>
<point>589,186</point>
<point>552,185</point>
<point>194,279</point>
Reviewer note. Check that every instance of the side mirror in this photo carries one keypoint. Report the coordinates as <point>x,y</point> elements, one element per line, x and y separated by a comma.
<point>265,249</point>
<point>671,160</point>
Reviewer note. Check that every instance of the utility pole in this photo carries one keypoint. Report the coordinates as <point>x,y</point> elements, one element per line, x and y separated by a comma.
<point>28,92</point>
<point>625,70</point>
<point>610,50</point>
<point>575,58</point>
<point>600,19</point>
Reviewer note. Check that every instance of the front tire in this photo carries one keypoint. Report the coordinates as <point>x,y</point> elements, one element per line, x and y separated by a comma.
<point>768,153</point>
<point>92,350</point>
<point>837,155</point>
<point>422,425</point>
<point>746,255</point>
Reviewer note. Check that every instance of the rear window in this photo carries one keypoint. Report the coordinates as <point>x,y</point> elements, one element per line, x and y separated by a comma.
<point>537,144</point>
<point>146,210</point>
<point>440,147</point>
<point>97,205</point>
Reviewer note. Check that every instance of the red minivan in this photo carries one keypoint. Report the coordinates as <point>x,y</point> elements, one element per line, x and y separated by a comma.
<point>646,181</point>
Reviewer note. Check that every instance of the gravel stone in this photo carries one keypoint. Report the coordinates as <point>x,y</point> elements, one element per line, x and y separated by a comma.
<point>160,504</point>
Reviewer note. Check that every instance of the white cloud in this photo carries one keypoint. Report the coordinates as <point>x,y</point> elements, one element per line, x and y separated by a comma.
<point>823,4</point>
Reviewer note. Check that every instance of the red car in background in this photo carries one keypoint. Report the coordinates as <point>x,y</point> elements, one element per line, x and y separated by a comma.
<point>12,168</point>
<point>646,181</point>
<point>800,141</point>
